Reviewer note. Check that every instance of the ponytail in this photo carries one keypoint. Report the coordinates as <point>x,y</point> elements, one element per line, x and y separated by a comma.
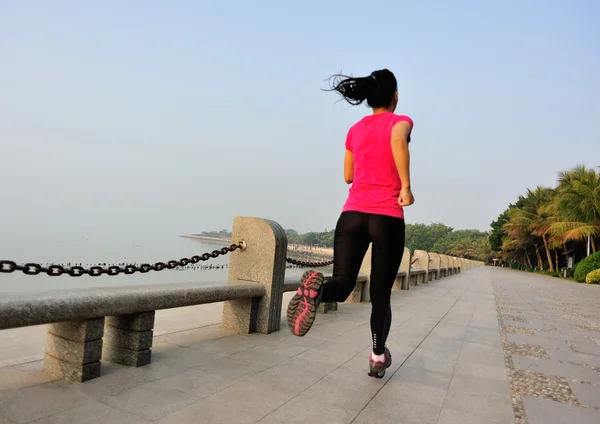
<point>377,89</point>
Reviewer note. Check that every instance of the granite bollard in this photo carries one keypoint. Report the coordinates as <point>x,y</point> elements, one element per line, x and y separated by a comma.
<point>421,261</point>
<point>128,339</point>
<point>435,264</point>
<point>444,265</point>
<point>403,283</point>
<point>74,349</point>
<point>263,261</point>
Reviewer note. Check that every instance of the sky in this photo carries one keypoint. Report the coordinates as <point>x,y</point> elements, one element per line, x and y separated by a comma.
<point>153,117</point>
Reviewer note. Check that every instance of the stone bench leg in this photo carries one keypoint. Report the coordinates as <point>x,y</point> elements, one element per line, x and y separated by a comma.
<point>325,307</point>
<point>405,285</point>
<point>74,349</point>
<point>128,339</point>
<point>357,293</point>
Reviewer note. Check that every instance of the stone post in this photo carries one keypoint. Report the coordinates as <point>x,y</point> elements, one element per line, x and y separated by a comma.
<point>128,339</point>
<point>74,349</point>
<point>262,262</point>
<point>421,261</point>
<point>436,264</point>
<point>448,265</point>
<point>444,265</point>
<point>405,267</point>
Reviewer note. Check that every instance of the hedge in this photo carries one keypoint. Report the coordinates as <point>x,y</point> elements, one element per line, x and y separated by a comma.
<point>587,265</point>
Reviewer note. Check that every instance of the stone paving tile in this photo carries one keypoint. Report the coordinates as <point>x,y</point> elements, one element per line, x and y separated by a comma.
<point>451,416</point>
<point>92,413</point>
<point>587,394</point>
<point>574,357</point>
<point>150,401</point>
<point>483,336</point>
<point>481,354</point>
<point>20,376</point>
<point>40,401</point>
<point>576,372</point>
<point>497,387</point>
<point>585,348</point>
<point>497,408</point>
<point>543,411</point>
<point>409,403</point>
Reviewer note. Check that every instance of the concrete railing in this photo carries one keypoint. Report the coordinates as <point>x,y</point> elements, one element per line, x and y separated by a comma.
<point>88,325</point>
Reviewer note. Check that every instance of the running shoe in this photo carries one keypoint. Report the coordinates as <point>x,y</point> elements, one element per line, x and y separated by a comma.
<point>302,309</point>
<point>377,368</point>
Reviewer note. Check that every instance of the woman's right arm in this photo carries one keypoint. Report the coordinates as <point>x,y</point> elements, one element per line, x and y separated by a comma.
<point>400,134</point>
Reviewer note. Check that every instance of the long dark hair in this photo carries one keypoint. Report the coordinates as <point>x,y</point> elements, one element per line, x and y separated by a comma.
<point>377,89</point>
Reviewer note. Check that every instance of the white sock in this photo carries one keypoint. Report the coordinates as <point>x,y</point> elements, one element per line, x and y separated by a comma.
<point>379,358</point>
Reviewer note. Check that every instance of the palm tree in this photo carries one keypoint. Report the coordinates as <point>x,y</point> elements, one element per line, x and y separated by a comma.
<point>517,244</point>
<point>578,205</point>
<point>535,217</point>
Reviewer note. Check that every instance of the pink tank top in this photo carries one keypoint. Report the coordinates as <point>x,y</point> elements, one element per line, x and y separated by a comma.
<point>376,186</point>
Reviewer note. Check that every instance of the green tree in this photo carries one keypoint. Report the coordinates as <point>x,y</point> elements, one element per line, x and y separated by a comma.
<point>445,244</point>
<point>423,237</point>
<point>498,235</point>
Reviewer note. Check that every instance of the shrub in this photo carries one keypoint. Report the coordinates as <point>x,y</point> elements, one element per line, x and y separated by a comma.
<point>593,277</point>
<point>587,265</point>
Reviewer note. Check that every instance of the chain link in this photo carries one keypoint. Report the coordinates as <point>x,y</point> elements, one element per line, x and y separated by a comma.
<point>308,264</point>
<point>7,267</point>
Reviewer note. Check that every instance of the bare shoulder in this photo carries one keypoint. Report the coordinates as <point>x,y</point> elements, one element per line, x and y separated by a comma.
<point>402,128</point>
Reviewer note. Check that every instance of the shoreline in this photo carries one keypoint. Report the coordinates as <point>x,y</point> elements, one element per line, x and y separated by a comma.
<point>208,238</point>
<point>293,249</point>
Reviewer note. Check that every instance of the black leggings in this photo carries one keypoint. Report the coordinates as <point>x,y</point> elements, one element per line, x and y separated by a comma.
<point>353,233</point>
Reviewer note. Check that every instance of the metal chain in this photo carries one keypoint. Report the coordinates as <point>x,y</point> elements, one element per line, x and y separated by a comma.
<point>308,264</point>
<point>95,271</point>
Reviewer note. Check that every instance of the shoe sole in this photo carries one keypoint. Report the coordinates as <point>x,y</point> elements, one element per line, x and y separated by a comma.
<point>381,373</point>
<point>302,308</point>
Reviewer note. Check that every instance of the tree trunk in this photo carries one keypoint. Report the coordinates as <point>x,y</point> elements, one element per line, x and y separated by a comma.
<point>593,245</point>
<point>539,258</point>
<point>556,256</point>
<point>548,255</point>
<point>528,259</point>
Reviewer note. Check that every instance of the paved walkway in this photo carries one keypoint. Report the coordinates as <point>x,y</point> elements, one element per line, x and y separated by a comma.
<point>448,365</point>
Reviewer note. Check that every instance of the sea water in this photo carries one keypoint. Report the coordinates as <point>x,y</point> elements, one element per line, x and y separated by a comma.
<point>87,252</point>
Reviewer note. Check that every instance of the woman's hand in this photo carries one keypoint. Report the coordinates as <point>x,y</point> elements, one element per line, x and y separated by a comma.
<point>406,197</point>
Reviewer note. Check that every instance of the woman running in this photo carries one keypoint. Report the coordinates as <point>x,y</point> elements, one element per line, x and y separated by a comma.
<point>377,165</point>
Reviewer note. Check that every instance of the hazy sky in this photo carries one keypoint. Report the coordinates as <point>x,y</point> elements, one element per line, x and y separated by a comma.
<point>174,117</point>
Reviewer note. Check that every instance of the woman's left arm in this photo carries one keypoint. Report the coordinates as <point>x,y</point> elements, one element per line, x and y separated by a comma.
<point>349,167</point>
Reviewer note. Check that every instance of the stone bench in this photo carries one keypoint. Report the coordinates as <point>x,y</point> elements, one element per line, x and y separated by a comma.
<point>114,323</point>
